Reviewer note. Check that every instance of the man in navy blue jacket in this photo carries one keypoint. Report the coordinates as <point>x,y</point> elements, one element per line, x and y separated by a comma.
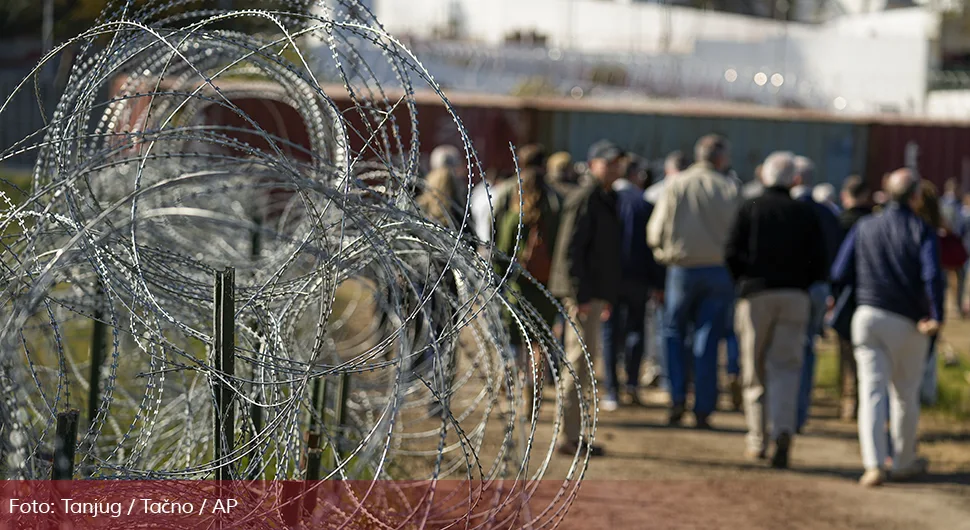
<point>893,261</point>
<point>819,293</point>
<point>624,331</point>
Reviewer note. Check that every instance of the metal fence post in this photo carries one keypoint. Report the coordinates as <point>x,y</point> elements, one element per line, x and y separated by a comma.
<point>255,411</point>
<point>223,349</point>
<point>314,435</point>
<point>65,443</point>
<point>98,333</point>
<point>340,411</point>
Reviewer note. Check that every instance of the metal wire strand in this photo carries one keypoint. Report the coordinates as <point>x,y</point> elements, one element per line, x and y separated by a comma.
<point>179,148</point>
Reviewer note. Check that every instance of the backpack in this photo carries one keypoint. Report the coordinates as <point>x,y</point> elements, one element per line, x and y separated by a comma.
<point>536,258</point>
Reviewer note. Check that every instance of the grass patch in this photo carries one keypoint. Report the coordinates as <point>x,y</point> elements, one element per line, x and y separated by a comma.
<point>10,177</point>
<point>827,367</point>
<point>953,389</point>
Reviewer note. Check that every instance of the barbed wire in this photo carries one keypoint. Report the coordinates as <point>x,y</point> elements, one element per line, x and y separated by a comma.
<point>154,172</point>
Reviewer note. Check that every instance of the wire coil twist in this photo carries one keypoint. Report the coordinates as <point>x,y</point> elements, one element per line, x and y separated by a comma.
<point>154,172</point>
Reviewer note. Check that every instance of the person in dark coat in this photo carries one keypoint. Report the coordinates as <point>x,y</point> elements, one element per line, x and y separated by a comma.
<point>893,262</point>
<point>537,207</point>
<point>624,332</point>
<point>775,253</point>
<point>586,274</point>
<point>856,204</point>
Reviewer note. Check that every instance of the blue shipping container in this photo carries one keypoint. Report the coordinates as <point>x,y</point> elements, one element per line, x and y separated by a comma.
<point>837,148</point>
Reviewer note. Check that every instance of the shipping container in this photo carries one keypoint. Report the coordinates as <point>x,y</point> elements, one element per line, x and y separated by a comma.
<point>838,148</point>
<point>491,123</point>
<point>939,151</point>
<point>274,117</point>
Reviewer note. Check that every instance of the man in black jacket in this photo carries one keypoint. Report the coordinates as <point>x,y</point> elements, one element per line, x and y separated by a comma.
<point>856,202</point>
<point>624,334</point>
<point>856,205</point>
<point>587,274</point>
<point>775,253</point>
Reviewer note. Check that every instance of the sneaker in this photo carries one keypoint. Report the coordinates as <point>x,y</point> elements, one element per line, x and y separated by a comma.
<point>650,377</point>
<point>917,469</point>
<point>737,398</point>
<point>574,448</point>
<point>675,416</point>
<point>633,395</point>
<point>873,478</point>
<point>755,455</point>
<point>609,404</point>
<point>782,445</point>
<point>702,423</point>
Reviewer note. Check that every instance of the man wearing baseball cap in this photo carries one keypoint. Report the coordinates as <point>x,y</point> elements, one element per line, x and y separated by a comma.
<point>586,275</point>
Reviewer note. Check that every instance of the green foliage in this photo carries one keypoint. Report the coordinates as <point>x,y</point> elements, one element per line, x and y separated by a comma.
<point>953,392</point>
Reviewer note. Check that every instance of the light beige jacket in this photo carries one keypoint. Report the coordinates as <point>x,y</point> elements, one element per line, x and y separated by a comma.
<point>690,224</point>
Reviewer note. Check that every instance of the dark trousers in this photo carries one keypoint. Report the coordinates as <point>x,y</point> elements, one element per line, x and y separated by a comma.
<point>624,337</point>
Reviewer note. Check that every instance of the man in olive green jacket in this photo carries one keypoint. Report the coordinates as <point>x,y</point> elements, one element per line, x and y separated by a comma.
<point>586,274</point>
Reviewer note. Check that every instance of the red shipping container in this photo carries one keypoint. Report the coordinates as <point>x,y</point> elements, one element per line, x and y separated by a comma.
<point>490,123</point>
<point>275,117</point>
<point>941,151</point>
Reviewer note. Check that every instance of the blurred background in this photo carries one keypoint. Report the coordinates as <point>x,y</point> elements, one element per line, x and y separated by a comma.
<point>861,86</point>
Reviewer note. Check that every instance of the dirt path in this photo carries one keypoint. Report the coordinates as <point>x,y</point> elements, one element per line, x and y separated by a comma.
<point>655,477</point>
<point>659,477</point>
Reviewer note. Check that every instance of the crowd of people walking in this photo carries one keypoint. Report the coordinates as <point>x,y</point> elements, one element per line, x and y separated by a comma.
<point>764,267</point>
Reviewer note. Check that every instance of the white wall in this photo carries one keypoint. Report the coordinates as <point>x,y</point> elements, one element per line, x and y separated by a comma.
<point>878,74</point>
<point>597,25</point>
<point>588,25</point>
<point>952,104</point>
<point>911,22</point>
<point>869,62</point>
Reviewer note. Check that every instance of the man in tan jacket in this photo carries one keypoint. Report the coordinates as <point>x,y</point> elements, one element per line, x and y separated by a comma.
<point>688,232</point>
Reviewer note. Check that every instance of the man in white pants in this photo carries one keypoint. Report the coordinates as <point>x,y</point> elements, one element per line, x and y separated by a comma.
<point>893,262</point>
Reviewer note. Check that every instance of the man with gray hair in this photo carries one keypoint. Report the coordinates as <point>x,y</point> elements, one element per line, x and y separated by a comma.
<point>825,195</point>
<point>446,185</point>
<point>775,253</point>
<point>892,260</point>
<point>688,231</point>
<point>832,235</point>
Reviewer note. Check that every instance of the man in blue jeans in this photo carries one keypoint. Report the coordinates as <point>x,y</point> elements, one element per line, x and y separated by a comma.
<point>819,292</point>
<point>688,232</point>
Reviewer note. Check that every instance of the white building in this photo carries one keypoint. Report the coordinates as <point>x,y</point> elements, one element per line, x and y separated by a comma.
<point>863,62</point>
